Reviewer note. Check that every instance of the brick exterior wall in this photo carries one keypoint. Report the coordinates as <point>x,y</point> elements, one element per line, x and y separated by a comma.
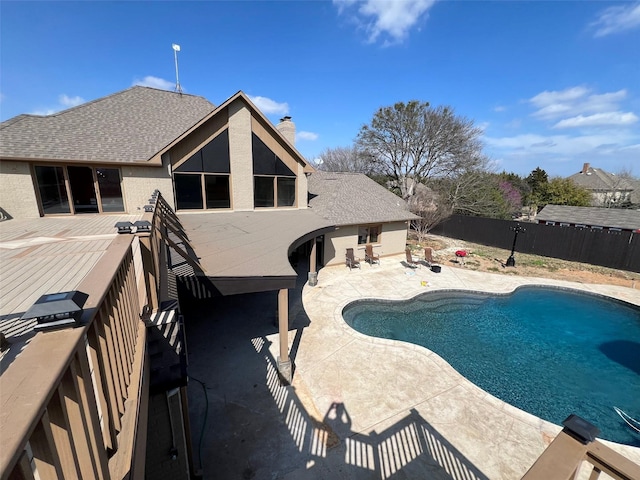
<point>138,183</point>
<point>240,153</point>
<point>17,191</point>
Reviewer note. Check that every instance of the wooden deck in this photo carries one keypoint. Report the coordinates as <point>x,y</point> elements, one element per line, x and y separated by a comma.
<point>47,255</point>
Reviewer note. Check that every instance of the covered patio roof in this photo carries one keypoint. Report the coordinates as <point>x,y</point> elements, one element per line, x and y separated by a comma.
<point>242,252</point>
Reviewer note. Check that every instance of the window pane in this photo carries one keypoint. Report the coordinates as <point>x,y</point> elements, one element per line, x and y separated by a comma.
<point>110,191</point>
<point>286,192</point>
<point>193,164</point>
<point>217,190</point>
<point>83,192</point>
<point>265,162</point>
<point>215,155</point>
<point>188,191</point>
<point>373,234</point>
<point>52,190</point>
<point>362,235</point>
<point>263,192</point>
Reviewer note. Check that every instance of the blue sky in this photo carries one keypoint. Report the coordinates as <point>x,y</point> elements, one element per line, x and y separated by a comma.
<point>553,84</point>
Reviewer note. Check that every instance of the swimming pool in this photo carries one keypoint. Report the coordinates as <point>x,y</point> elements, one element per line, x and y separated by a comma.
<point>548,351</point>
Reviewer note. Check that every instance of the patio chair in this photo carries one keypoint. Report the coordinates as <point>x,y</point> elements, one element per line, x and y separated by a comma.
<point>429,261</point>
<point>351,260</point>
<point>410,261</point>
<point>369,256</point>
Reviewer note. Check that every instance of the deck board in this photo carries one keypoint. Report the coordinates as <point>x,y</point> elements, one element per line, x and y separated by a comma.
<point>48,255</point>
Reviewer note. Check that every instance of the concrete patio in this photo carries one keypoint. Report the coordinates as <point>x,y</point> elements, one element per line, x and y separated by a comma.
<point>359,407</point>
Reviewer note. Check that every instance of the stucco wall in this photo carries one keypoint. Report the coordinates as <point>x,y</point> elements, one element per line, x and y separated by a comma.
<point>240,155</point>
<point>393,241</point>
<point>138,183</point>
<point>17,192</point>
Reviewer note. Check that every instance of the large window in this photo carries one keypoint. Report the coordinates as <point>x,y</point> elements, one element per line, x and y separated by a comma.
<point>202,181</point>
<point>188,191</point>
<point>53,190</point>
<point>369,234</point>
<point>274,183</point>
<point>263,190</point>
<point>78,189</point>
<point>109,188</point>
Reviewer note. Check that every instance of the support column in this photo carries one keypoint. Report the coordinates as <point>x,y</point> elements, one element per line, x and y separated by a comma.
<point>313,275</point>
<point>284,362</point>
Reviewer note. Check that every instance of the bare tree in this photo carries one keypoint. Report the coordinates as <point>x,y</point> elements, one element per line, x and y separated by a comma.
<point>427,204</point>
<point>413,142</point>
<point>621,187</point>
<point>343,159</point>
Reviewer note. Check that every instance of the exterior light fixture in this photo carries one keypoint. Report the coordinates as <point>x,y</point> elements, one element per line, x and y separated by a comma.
<point>580,429</point>
<point>148,208</point>
<point>124,227</point>
<point>142,226</point>
<point>57,310</point>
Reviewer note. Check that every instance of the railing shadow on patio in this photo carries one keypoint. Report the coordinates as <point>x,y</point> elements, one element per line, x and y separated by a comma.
<point>384,454</point>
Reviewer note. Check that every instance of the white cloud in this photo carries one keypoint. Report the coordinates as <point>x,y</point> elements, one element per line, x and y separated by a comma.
<point>64,102</point>
<point>45,112</point>
<point>155,82</point>
<point>573,126</point>
<point>617,19</point>
<point>268,106</point>
<point>69,102</point>
<point>598,119</point>
<point>302,135</point>
<point>393,18</point>
<point>499,108</point>
<point>574,101</point>
<point>547,97</point>
<point>561,146</point>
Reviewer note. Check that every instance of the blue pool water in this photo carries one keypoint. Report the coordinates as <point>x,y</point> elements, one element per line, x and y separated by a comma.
<point>550,352</point>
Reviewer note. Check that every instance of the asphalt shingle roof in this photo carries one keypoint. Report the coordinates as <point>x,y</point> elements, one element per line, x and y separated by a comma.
<point>598,179</point>
<point>129,126</point>
<point>353,198</point>
<point>592,216</point>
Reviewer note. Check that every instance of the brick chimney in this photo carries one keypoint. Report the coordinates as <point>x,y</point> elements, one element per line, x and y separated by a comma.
<point>585,168</point>
<point>288,129</point>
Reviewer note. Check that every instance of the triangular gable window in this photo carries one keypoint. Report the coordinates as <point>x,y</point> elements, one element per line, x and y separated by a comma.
<point>212,158</point>
<point>265,162</point>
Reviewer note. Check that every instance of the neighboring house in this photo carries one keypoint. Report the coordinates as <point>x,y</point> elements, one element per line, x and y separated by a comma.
<point>590,217</point>
<point>607,189</point>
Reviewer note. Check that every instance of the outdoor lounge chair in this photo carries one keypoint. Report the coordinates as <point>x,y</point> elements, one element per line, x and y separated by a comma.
<point>410,261</point>
<point>369,256</point>
<point>352,261</point>
<point>429,261</point>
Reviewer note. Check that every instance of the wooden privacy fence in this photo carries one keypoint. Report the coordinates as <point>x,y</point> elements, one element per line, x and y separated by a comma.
<point>73,403</point>
<point>613,249</point>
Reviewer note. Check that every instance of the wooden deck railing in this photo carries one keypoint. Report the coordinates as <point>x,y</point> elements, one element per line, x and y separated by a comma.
<point>567,458</point>
<point>73,403</point>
